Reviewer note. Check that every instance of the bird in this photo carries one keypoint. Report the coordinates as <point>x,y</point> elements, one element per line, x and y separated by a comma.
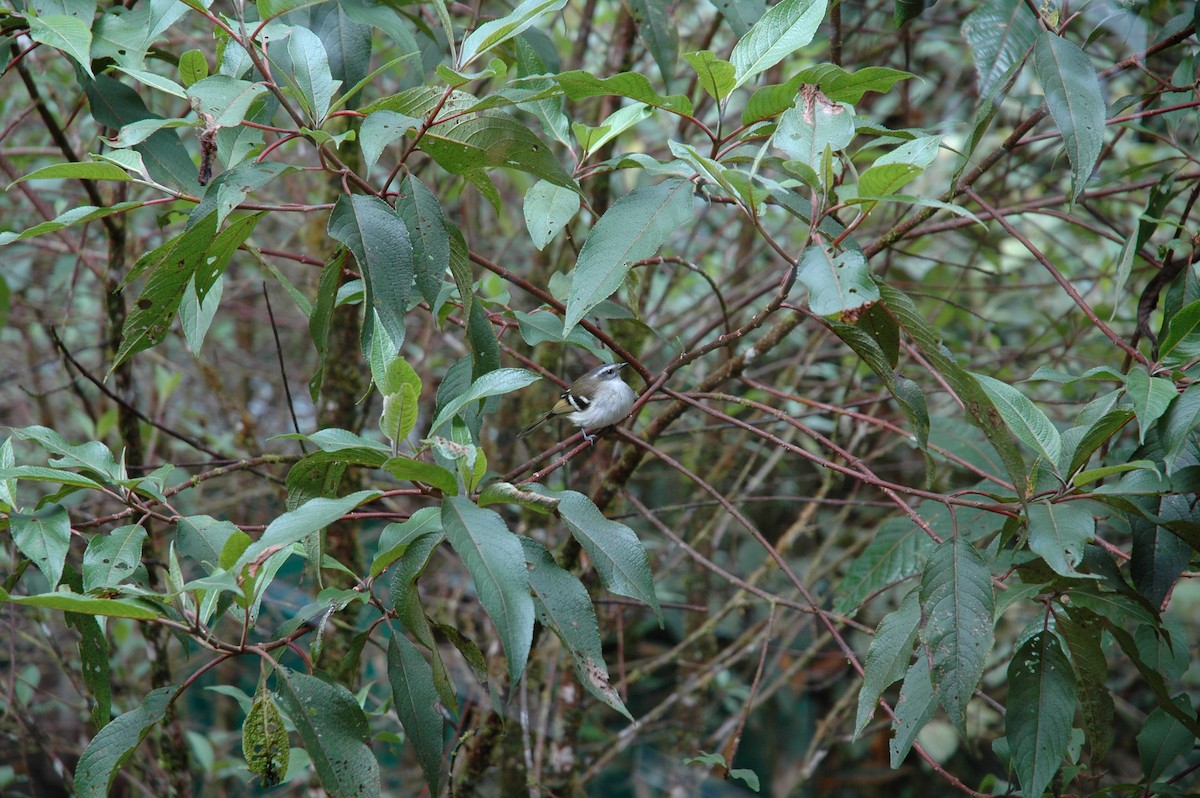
<point>598,399</point>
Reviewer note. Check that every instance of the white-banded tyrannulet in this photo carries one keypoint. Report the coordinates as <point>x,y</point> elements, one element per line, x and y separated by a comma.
<point>598,399</point>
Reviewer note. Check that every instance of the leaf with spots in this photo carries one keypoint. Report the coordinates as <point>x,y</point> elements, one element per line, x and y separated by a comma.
<point>334,730</point>
<point>111,559</point>
<point>836,282</point>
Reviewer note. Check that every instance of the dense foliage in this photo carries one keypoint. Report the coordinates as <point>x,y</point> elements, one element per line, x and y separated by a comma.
<point>908,501</point>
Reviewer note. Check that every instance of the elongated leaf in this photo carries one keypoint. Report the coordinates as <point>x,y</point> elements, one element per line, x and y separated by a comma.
<point>494,557</point>
<point>836,282</point>
<point>614,549</point>
<point>547,209</point>
<point>422,214</point>
<point>74,216</point>
<point>470,144</point>
<point>956,596</point>
<point>834,82</point>
<point>658,32</point>
<point>225,99</point>
<point>67,601</point>
<point>45,538</point>
<point>67,33</point>
<point>494,383</point>
<point>1151,396</point>
<point>1178,426</point>
<point>896,552</point>
<point>310,65</point>
<point>334,730</point>
<point>112,558</point>
<point>785,28</point>
<point>115,743</point>
<point>979,405</point>
<point>715,75</point>
<point>1058,533</point>
<point>1041,707</point>
<point>80,170</point>
<point>294,526</point>
<point>1000,34</point>
<point>380,129</point>
<point>497,31</point>
<point>416,703</point>
<point>265,741</point>
<point>631,230</point>
<point>1163,739</point>
<point>579,84</point>
<point>1024,418</point>
<point>1076,102</point>
<point>1083,633</point>
<point>379,240</point>
<point>94,665</point>
<point>812,128</point>
<point>564,606</point>
<point>888,658</point>
<point>1183,331</point>
<point>916,706</point>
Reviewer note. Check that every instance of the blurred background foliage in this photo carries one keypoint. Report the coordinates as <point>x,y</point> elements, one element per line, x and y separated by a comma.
<point>742,672</point>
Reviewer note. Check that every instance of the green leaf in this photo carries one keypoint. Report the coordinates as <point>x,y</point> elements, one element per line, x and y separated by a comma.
<point>112,558</point>
<point>45,538</point>
<point>115,743</point>
<point>67,33</point>
<point>94,665</point>
<point>1058,533</point>
<point>294,526</point>
<point>715,75</point>
<point>379,240</point>
<point>547,209</point>
<point>914,708</point>
<point>496,31</point>
<point>494,557</point>
<point>193,67</point>
<point>1183,331</point>
<point>886,179</point>
<point>1178,425</point>
<point>406,468</point>
<point>417,705</point>
<point>579,84</point>
<point>592,139</point>
<point>87,605</point>
<point>813,127</point>
<point>1041,708</point>
<point>615,551</point>
<point>834,82</point>
<point>1151,396</point>
<point>79,170</point>
<point>957,601</point>
<point>658,32</point>
<point>896,552</point>
<point>334,730</point>
<point>1163,740</point>
<point>427,228</point>
<point>836,283</point>
<point>631,230</point>
<point>1097,435</point>
<point>70,218</point>
<point>1024,418</point>
<point>265,741</point>
<point>380,129</point>
<point>888,657</point>
<point>1076,102</point>
<point>310,70</point>
<point>395,539</point>
<point>1000,33</point>
<point>564,606</point>
<point>115,105</point>
<point>92,456</point>
<point>467,145</point>
<point>494,383</point>
<point>1159,557</point>
<point>1083,633</point>
<point>227,100</point>
<point>786,27</point>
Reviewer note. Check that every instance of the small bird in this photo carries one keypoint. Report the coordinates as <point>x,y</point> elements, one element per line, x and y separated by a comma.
<point>598,399</point>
